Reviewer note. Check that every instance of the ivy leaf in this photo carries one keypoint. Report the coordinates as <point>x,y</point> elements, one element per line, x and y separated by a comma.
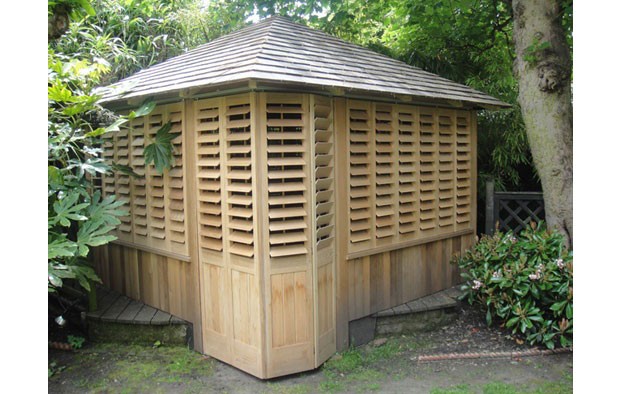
<point>160,152</point>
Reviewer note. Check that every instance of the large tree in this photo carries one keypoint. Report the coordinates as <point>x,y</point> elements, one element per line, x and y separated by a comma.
<point>544,68</point>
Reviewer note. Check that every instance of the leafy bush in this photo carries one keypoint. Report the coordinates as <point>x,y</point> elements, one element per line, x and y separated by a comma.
<point>79,218</point>
<point>525,282</point>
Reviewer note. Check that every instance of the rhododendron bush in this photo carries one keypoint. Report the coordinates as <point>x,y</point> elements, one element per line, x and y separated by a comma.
<point>525,282</point>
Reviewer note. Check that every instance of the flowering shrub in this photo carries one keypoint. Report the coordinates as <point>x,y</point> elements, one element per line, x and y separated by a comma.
<point>525,282</point>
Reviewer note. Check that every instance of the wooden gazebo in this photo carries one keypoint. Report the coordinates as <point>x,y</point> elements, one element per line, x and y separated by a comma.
<point>316,182</point>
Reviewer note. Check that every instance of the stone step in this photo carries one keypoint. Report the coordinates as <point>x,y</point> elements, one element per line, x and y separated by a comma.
<point>424,314</point>
<point>123,320</point>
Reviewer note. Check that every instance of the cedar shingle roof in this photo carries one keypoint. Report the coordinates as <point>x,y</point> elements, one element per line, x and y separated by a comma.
<point>278,50</point>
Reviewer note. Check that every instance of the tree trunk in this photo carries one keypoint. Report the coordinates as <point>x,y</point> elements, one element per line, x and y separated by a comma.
<point>543,66</point>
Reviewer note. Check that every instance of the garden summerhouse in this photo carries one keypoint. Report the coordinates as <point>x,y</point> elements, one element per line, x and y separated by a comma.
<point>316,182</point>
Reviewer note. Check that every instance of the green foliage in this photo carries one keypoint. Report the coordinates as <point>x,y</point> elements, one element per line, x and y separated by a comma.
<point>76,342</point>
<point>132,35</point>
<point>525,282</point>
<point>160,151</point>
<point>78,218</point>
<point>464,40</point>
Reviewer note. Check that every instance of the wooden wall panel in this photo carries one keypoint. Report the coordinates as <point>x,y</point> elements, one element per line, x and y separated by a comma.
<point>225,165</point>
<point>156,203</point>
<point>323,207</point>
<point>285,175</point>
<point>156,280</point>
<point>388,279</point>
<point>410,176</point>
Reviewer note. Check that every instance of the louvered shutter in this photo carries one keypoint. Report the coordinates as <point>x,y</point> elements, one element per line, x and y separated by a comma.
<point>428,172</point>
<point>174,182</point>
<point>286,179</point>
<point>408,177</point>
<point>463,170</point>
<point>361,172</point>
<point>139,206</point>
<point>447,136</point>
<point>155,187</point>
<point>324,171</point>
<point>209,174</point>
<point>239,179</point>
<point>156,202</point>
<point>385,173</point>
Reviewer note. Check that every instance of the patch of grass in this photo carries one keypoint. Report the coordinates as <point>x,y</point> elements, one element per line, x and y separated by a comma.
<point>558,387</point>
<point>499,388</point>
<point>141,368</point>
<point>459,389</point>
<point>346,362</point>
<point>277,388</point>
<point>358,367</point>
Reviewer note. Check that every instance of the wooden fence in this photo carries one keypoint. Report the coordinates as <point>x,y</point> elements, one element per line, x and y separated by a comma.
<point>512,210</point>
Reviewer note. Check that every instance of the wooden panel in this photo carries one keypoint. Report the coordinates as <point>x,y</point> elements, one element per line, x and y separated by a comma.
<point>463,170</point>
<point>389,279</point>
<point>411,176</point>
<point>342,223</point>
<point>287,183</point>
<point>209,174</point>
<point>240,221</point>
<point>323,195</point>
<point>158,281</point>
<point>361,175</point>
<point>285,175</point>
<point>408,171</point>
<point>386,171</point>
<point>155,202</point>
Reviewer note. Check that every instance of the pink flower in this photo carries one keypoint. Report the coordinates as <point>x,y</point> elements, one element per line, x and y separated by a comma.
<point>477,284</point>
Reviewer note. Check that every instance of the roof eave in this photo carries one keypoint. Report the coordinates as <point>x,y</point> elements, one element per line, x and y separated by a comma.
<point>244,85</point>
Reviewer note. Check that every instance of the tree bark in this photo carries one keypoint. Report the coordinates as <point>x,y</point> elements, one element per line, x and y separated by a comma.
<point>543,67</point>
